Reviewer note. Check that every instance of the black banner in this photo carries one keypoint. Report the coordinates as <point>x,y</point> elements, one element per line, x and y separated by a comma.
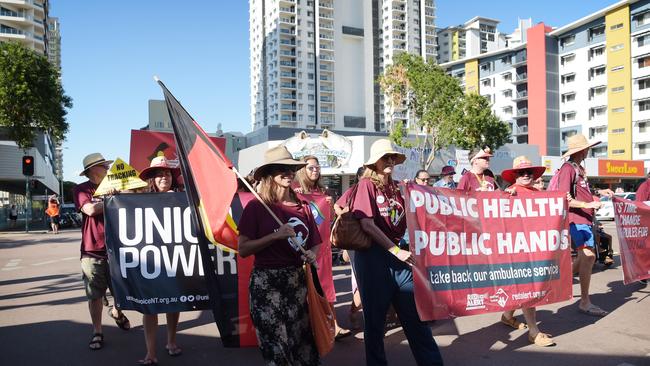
<point>155,260</point>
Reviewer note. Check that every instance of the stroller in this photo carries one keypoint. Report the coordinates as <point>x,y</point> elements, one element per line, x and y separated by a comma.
<point>603,241</point>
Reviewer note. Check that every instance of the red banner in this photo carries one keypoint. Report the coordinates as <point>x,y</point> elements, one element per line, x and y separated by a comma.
<point>632,223</point>
<point>321,210</point>
<point>481,252</point>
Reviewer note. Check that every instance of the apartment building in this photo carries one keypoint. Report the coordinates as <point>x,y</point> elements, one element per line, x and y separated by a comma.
<point>314,63</point>
<point>477,36</point>
<point>590,76</point>
<point>24,21</point>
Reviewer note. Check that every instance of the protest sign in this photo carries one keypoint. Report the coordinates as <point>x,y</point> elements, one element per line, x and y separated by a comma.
<point>480,252</point>
<point>121,176</point>
<point>156,264</point>
<point>632,223</point>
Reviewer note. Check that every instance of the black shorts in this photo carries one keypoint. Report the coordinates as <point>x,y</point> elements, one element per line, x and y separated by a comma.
<point>13,218</point>
<point>54,219</point>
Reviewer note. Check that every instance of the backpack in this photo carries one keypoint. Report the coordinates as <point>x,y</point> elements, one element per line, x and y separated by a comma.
<point>554,183</point>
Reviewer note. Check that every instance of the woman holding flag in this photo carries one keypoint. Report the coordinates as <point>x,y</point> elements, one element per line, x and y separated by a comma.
<point>162,177</point>
<point>308,183</point>
<point>383,271</point>
<point>278,288</point>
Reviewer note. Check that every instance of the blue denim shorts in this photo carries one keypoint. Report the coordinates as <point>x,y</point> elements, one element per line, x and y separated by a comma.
<point>581,236</point>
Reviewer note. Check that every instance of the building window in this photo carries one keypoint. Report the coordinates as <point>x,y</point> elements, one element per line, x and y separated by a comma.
<point>617,47</point>
<point>644,83</point>
<point>599,152</point>
<point>643,62</point>
<point>486,82</point>
<point>642,40</point>
<point>593,132</point>
<point>643,149</point>
<point>618,130</point>
<point>568,116</point>
<point>568,40</point>
<point>597,112</point>
<point>507,93</point>
<point>642,19</point>
<point>596,71</point>
<point>618,152</point>
<point>644,105</point>
<point>622,109</point>
<point>616,26</point>
<point>486,67</point>
<point>597,31</point>
<point>568,97</point>
<point>568,58</point>
<point>568,78</point>
<point>507,76</point>
<point>643,127</point>
<point>618,89</point>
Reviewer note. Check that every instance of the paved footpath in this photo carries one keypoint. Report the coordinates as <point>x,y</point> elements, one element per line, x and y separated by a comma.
<point>44,321</point>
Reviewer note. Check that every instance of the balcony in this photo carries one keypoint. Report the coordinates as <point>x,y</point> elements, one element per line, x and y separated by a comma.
<point>288,107</point>
<point>287,74</point>
<point>287,42</point>
<point>288,85</point>
<point>284,9</point>
<point>325,15</point>
<point>286,118</point>
<point>326,89</point>
<point>327,58</point>
<point>521,113</point>
<point>521,78</point>
<point>288,53</point>
<point>521,96</point>
<point>327,121</point>
<point>288,20</point>
<point>519,130</point>
<point>520,62</point>
<point>327,110</point>
<point>325,36</point>
<point>325,25</point>
<point>326,5</point>
<point>326,99</point>
<point>399,8</point>
<point>288,31</point>
<point>325,78</point>
<point>289,96</point>
<point>288,63</point>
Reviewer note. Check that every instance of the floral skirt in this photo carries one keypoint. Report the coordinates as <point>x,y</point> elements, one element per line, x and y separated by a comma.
<point>278,304</point>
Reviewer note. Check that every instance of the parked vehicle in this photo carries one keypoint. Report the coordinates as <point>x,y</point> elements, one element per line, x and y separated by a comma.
<point>606,212</point>
<point>69,216</point>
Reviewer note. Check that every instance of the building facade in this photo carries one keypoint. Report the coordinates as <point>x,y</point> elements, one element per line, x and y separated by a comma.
<point>25,22</point>
<point>477,36</point>
<point>588,77</point>
<point>314,64</point>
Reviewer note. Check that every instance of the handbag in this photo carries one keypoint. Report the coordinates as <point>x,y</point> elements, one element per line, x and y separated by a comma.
<point>321,314</point>
<point>346,232</point>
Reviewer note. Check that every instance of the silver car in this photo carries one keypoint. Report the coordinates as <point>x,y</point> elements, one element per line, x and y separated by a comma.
<point>606,211</point>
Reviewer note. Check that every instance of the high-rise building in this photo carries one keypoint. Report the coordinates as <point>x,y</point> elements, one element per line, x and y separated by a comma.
<point>477,36</point>
<point>54,42</point>
<point>591,76</point>
<point>25,22</point>
<point>314,63</point>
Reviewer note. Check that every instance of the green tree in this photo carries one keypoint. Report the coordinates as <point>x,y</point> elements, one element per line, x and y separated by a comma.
<point>31,96</point>
<point>431,95</point>
<point>479,126</point>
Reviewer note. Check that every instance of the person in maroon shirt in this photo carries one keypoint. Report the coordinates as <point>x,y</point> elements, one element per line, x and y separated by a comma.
<point>643,192</point>
<point>278,288</point>
<point>384,270</point>
<point>573,179</point>
<point>308,182</point>
<point>94,260</point>
<point>475,179</point>
<point>523,176</point>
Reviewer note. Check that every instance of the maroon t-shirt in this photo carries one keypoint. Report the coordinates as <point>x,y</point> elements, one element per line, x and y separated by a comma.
<point>343,200</point>
<point>643,192</point>
<point>523,189</point>
<point>256,223</point>
<point>92,229</point>
<point>582,193</point>
<point>385,206</point>
<point>470,182</point>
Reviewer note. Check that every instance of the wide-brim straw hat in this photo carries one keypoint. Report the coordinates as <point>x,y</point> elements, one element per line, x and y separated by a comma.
<point>577,143</point>
<point>522,163</point>
<point>159,162</point>
<point>92,160</point>
<point>278,155</point>
<point>383,147</point>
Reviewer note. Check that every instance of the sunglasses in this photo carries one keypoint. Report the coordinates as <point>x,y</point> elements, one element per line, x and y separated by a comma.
<point>282,169</point>
<point>521,173</point>
<point>313,168</point>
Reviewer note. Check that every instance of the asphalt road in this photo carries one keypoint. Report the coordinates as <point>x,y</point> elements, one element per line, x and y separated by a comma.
<point>44,321</point>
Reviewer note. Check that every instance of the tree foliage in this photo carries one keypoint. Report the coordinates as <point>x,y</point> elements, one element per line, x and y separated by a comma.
<point>444,115</point>
<point>480,127</point>
<point>31,96</point>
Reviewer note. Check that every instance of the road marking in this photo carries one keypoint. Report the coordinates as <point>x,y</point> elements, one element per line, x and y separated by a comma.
<point>11,268</point>
<point>13,262</point>
<point>54,261</point>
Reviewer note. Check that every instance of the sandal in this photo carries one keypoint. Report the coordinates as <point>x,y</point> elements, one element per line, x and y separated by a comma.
<point>96,342</point>
<point>513,322</point>
<point>541,339</point>
<point>121,320</point>
<point>148,362</point>
<point>342,333</point>
<point>593,310</point>
<point>174,351</point>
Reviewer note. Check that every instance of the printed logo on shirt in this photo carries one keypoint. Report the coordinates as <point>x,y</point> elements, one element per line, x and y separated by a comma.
<point>319,218</point>
<point>302,233</point>
<point>381,199</point>
<point>392,209</point>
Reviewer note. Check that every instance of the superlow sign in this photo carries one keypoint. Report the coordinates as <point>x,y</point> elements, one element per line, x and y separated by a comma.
<point>620,168</point>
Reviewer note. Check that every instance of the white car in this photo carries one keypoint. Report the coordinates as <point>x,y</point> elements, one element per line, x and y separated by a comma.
<point>606,212</point>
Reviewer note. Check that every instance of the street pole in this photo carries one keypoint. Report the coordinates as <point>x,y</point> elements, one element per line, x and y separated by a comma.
<point>28,205</point>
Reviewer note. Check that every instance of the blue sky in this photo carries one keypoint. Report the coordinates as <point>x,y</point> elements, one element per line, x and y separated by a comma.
<point>112,49</point>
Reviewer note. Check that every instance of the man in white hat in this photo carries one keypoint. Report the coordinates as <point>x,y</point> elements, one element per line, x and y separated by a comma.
<point>94,259</point>
<point>573,179</point>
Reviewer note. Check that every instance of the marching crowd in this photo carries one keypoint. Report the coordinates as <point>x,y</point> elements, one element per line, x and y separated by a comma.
<point>381,275</point>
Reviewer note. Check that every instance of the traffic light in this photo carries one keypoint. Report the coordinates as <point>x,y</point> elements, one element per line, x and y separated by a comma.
<point>28,165</point>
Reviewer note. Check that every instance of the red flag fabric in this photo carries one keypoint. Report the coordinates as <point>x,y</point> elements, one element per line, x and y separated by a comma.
<point>480,252</point>
<point>632,223</point>
<point>209,181</point>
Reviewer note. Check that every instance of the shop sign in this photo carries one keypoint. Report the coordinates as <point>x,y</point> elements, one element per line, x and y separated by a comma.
<point>620,168</point>
<point>331,149</point>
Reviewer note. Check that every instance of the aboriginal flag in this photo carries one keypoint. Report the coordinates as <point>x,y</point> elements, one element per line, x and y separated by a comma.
<point>210,185</point>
